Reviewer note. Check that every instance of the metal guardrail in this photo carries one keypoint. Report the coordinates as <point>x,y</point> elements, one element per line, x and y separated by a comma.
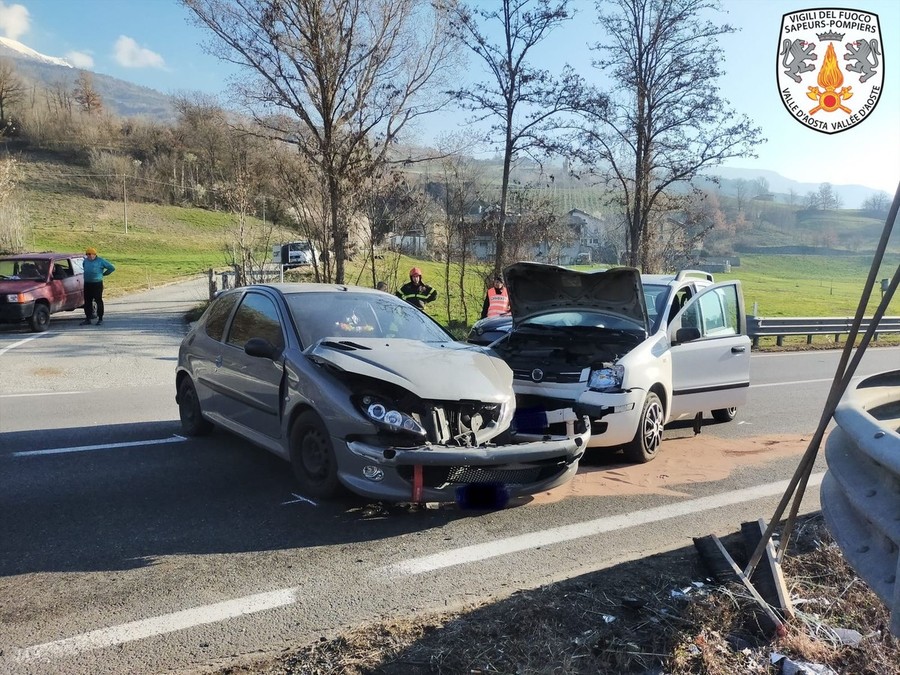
<point>779,327</point>
<point>860,494</point>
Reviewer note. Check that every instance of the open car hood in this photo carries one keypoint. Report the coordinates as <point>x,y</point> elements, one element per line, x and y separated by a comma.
<point>448,371</point>
<point>536,288</point>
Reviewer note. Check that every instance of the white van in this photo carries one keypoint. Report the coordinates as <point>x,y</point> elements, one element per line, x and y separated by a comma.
<point>294,253</point>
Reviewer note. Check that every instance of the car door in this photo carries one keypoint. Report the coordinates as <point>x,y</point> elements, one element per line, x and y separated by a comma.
<point>67,277</point>
<point>203,355</point>
<point>711,370</point>
<point>249,386</point>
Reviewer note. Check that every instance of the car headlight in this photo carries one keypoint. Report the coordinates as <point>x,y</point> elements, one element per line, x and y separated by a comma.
<point>17,297</point>
<point>606,378</point>
<point>390,418</point>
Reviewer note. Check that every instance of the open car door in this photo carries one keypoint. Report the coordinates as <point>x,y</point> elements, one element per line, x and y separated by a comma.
<point>710,351</point>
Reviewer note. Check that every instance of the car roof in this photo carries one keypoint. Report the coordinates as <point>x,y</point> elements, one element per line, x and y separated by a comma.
<point>665,279</point>
<point>39,256</point>
<point>289,288</point>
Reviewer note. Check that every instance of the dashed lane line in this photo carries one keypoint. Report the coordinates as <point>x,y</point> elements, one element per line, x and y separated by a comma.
<point>556,535</point>
<point>103,446</point>
<point>221,611</point>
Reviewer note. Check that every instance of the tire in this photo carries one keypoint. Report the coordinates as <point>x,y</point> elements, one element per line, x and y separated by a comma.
<point>724,414</point>
<point>40,319</point>
<point>648,436</point>
<point>192,421</point>
<point>312,458</point>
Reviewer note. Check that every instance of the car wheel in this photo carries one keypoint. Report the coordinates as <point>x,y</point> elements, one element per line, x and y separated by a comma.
<point>192,421</point>
<point>648,436</point>
<point>40,319</point>
<point>313,459</point>
<point>724,414</point>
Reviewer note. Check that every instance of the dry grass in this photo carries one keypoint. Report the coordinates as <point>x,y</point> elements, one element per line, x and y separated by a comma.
<point>657,615</point>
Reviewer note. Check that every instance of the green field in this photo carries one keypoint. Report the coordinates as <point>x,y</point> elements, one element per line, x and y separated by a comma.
<point>167,243</point>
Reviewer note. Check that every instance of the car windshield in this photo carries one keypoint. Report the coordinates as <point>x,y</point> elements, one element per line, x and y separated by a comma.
<point>655,299</point>
<point>23,268</point>
<point>582,318</point>
<point>361,315</point>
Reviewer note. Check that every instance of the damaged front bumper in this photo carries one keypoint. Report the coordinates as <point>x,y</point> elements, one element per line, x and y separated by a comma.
<point>436,473</point>
<point>615,416</point>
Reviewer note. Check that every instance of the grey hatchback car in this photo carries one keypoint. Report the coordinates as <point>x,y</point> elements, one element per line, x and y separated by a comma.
<point>360,390</point>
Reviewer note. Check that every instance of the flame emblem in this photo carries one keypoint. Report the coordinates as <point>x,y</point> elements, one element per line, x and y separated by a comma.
<point>830,78</point>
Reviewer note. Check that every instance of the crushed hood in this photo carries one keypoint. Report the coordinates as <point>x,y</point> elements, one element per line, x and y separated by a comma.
<point>536,288</point>
<point>448,371</point>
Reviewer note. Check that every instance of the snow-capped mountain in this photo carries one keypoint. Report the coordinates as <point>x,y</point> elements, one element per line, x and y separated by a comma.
<point>119,96</point>
<point>27,52</point>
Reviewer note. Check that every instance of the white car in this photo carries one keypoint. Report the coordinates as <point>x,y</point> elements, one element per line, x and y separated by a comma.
<point>632,353</point>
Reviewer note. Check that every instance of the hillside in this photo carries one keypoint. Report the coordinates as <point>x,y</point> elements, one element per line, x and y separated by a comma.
<point>119,97</point>
<point>163,243</point>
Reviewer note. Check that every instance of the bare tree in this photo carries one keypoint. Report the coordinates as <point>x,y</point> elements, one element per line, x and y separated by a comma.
<point>458,189</point>
<point>85,95</point>
<point>823,199</point>
<point>878,202</point>
<point>339,79</point>
<point>522,101</point>
<point>12,91</point>
<point>14,227</point>
<point>668,120</point>
<point>741,188</point>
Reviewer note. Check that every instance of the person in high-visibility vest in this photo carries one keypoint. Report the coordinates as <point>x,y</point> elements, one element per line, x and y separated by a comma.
<point>416,292</point>
<point>496,302</point>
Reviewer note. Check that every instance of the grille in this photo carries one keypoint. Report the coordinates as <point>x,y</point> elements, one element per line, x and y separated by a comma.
<point>565,377</point>
<point>441,476</point>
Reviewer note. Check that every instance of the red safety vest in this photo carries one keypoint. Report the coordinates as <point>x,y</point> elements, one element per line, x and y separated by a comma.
<point>498,303</point>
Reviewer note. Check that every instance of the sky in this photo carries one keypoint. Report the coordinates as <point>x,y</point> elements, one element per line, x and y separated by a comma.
<point>153,43</point>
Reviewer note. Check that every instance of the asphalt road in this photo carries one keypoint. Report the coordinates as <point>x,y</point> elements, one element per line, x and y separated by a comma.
<point>126,548</point>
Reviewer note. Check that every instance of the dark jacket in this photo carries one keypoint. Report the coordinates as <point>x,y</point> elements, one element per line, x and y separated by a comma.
<point>417,294</point>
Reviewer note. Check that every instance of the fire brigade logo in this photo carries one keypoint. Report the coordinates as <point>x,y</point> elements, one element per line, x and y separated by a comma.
<point>830,67</point>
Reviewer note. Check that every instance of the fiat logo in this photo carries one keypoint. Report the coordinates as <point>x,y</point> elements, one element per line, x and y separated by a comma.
<point>537,374</point>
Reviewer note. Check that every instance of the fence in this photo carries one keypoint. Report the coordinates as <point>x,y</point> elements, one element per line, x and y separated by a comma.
<point>222,281</point>
<point>758,327</point>
<point>860,493</point>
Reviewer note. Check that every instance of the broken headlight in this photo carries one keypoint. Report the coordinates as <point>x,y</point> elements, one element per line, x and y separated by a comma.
<point>388,417</point>
<point>607,378</point>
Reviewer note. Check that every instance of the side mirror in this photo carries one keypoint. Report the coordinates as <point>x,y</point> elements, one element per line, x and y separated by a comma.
<point>262,348</point>
<point>686,335</point>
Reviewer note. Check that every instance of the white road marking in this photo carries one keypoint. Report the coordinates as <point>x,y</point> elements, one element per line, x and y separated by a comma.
<point>105,446</point>
<point>298,498</point>
<point>159,625</point>
<point>21,342</point>
<point>42,393</point>
<point>221,611</point>
<point>782,384</point>
<point>556,535</point>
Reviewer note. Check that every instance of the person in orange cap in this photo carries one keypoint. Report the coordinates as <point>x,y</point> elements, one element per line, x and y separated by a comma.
<point>95,268</point>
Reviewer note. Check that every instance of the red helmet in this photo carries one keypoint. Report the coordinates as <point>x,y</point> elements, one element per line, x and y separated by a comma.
<point>415,272</point>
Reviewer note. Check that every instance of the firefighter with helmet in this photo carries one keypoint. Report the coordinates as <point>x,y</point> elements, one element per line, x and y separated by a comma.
<point>416,292</point>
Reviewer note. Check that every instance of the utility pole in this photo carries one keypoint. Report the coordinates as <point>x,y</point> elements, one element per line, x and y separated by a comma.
<point>125,203</point>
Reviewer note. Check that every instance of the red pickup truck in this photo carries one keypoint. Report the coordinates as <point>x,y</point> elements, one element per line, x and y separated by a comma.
<point>35,285</point>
